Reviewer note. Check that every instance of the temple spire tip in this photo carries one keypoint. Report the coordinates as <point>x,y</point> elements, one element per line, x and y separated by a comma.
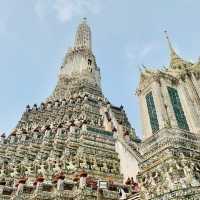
<point>83,35</point>
<point>84,20</point>
<point>169,42</point>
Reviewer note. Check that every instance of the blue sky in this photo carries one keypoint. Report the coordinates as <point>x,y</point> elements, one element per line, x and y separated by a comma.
<point>35,34</point>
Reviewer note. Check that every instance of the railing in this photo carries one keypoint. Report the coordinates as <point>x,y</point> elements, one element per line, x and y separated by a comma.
<point>132,151</point>
<point>135,196</point>
<point>99,131</point>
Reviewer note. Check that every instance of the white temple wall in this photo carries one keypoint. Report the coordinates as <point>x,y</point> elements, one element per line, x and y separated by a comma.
<point>196,84</point>
<point>188,105</point>
<point>128,164</point>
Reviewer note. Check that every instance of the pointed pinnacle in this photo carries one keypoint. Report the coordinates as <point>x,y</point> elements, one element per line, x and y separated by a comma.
<point>169,43</point>
<point>139,68</point>
<point>144,67</point>
<point>84,19</point>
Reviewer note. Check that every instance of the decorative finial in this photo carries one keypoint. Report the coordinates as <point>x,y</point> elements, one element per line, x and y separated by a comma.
<point>84,19</point>
<point>144,67</point>
<point>176,61</point>
<point>83,35</point>
<point>169,42</point>
<point>140,69</point>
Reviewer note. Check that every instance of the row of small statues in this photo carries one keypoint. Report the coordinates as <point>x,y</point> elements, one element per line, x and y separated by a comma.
<point>56,127</point>
<point>176,174</point>
<point>53,130</point>
<point>81,181</point>
<point>66,163</point>
<point>73,99</point>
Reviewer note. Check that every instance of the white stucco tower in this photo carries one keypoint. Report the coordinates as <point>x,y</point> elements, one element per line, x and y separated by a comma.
<point>83,36</point>
<point>80,61</point>
<point>170,97</point>
<point>170,111</point>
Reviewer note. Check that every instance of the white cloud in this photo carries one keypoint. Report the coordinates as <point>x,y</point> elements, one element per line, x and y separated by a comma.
<point>146,50</point>
<point>136,54</point>
<point>64,10</point>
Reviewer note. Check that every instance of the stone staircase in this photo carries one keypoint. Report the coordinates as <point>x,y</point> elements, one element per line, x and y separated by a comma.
<point>131,146</point>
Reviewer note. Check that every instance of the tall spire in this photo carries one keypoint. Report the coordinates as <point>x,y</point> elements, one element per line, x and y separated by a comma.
<point>83,36</point>
<point>172,51</point>
<point>176,62</point>
<point>79,65</point>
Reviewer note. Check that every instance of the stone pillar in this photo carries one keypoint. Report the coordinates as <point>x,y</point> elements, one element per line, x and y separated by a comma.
<point>194,93</point>
<point>188,107</point>
<point>196,83</point>
<point>146,127</point>
<point>168,104</point>
<point>194,103</point>
<point>159,104</point>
